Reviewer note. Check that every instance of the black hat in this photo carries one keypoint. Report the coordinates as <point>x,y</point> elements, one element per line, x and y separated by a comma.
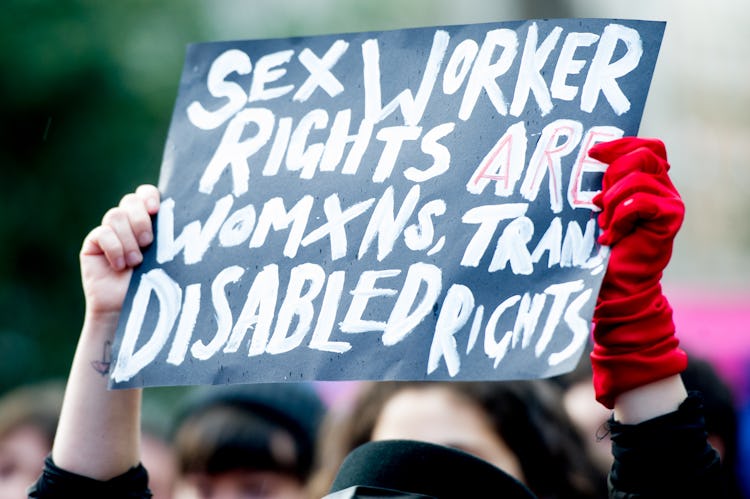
<point>421,469</point>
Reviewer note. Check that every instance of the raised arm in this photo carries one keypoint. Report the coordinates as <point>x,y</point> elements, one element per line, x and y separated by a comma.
<point>658,438</point>
<point>636,358</point>
<point>99,431</point>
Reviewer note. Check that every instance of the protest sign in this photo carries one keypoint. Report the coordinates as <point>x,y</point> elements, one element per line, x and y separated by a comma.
<point>410,204</point>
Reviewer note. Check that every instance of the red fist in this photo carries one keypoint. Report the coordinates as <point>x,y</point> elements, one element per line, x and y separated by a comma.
<point>634,342</point>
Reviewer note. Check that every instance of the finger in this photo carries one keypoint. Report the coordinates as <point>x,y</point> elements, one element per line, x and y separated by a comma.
<point>639,160</point>
<point>139,218</point>
<point>103,241</point>
<point>117,219</point>
<point>634,183</point>
<point>644,211</point>
<point>607,152</point>
<point>150,196</point>
<point>626,217</point>
<point>598,200</point>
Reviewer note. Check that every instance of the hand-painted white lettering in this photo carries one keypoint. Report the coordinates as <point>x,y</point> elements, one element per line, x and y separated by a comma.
<point>237,227</point>
<point>289,142</point>
<point>394,138</point>
<point>567,65</point>
<point>257,312</point>
<point>577,325</point>
<point>529,72</point>
<point>267,71</point>
<point>476,327</point>
<point>326,320</point>
<point>338,139</point>
<point>412,108</point>
<point>191,305</point>
<point>234,153</point>
<point>440,154</point>
<point>550,242</point>
<point>561,293</point>
<point>484,73</point>
<point>303,156</point>
<point>201,350</point>
<point>529,311</point>
<point>497,349</point>
<point>405,316</point>
<point>438,246</point>
<point>459,65</point>
<point>231,61</point>
<point>511,247</point>
<point>576,247</point>
<point>487,218</point>
<point>419,236</point>
<point>168,295</point>
<point>603,72</point>
<point>454,313</point>
<point>278,148</point>
<point>574,250</point>
<point>364,291</point>
<point>321,306</point>
<point>274,215</point>
<point>320,71</point>
<point>385,225</point>
<point>309,277</point>
<point>194,238</point>
<point>334,227</point>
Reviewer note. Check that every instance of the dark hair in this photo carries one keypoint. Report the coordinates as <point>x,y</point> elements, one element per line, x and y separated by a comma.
<point>259,427</point>
<point>527,415</point>
<point>720,414</point>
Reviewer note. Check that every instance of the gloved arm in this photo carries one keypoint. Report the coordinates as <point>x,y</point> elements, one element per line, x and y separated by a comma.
<point>634,342</point>
<point>658,433</point>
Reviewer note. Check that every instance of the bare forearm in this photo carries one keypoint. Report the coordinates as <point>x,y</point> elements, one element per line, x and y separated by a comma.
<point>99,431</point>
<point>650,401</point>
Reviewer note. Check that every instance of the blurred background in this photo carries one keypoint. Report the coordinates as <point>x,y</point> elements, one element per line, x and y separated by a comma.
<point>87,91</point>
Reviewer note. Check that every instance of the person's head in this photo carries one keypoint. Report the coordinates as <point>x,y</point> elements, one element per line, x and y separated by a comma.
<point>720,416</point>
<point>28,420</point>
<point>410,469</point>
<point>157,454</point>
<point>588,416</point>
<point>700,375</point>
<point>518,426</point>
<point>249,441</point>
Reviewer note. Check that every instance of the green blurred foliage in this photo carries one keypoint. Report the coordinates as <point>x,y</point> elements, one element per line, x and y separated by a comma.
<point>87,92</point>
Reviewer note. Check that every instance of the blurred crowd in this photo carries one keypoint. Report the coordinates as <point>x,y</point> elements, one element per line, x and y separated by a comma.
<point>289,440</point>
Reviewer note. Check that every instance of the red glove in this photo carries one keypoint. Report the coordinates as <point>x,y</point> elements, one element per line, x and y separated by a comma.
<point>634,342</point>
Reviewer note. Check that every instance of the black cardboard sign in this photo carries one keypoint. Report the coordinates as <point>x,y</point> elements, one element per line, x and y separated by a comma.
<point>410,204</point>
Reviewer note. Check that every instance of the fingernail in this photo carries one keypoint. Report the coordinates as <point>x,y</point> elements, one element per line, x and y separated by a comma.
<point>119,263</point>
<point>134,258</point>
<point>145,238</point>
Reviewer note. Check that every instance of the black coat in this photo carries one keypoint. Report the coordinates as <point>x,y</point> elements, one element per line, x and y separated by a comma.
<point>665,457</point>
